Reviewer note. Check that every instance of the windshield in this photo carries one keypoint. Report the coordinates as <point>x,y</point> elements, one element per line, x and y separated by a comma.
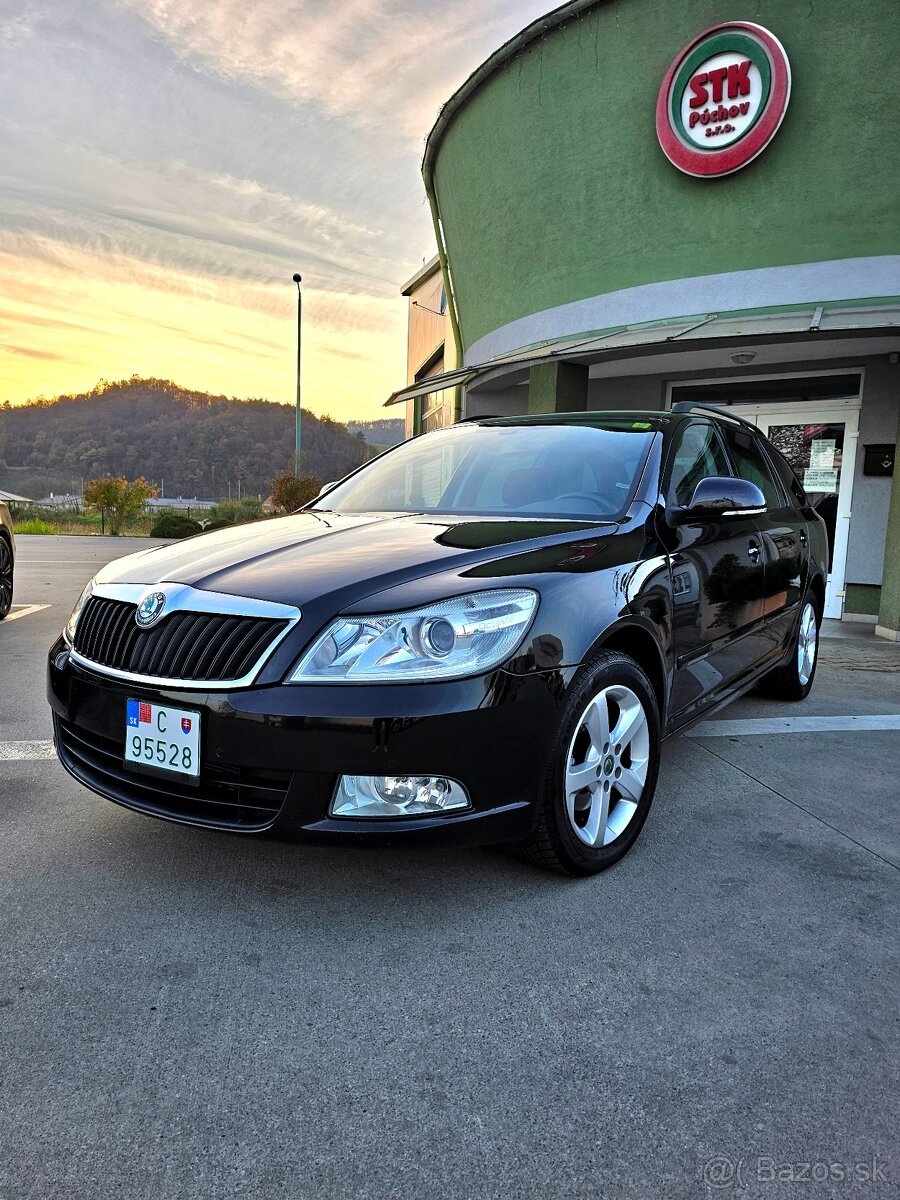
<point>500,470</point>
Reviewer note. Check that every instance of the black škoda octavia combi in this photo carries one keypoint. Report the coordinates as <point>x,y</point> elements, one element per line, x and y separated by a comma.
<point>481,636</point>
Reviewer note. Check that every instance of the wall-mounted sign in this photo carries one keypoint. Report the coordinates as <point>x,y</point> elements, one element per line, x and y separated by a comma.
<point>723,99</point>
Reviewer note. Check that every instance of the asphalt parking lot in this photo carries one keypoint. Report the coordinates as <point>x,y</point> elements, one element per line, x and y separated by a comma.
<point>186,1014</point>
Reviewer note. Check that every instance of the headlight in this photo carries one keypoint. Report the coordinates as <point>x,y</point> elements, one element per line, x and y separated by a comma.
<point>462,636</point>
<point>72,623</point>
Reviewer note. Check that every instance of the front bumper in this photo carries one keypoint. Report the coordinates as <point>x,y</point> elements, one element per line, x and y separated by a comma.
<point>271,756</point>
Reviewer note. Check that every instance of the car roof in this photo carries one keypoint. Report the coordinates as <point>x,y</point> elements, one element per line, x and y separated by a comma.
<point>656,419</point>
<point>591,417</point>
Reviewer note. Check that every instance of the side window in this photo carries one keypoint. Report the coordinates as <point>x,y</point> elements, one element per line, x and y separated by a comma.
<point>697,455</point>
<point>787,474</point>
<point>751,464</point>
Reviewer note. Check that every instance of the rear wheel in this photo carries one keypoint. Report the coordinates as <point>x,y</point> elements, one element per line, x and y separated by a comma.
<point>603,770</point>
<point>6,577</point>
<point>794,679</point>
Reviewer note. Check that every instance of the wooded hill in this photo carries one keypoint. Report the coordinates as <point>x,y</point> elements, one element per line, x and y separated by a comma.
<point>194,443</point>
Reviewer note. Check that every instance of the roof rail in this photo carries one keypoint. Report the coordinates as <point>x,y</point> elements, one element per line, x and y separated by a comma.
<point>689,406</point>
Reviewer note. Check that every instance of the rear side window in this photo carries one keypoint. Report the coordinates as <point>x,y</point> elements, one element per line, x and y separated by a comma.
<point>697,454</point>
<point>786,474</point>
<point>751,464</point>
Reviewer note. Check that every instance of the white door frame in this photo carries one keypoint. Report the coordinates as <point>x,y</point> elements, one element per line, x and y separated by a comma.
<point>809,412</point>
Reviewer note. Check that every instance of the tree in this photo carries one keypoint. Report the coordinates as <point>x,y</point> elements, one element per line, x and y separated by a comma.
<point>118,499</point>
<point>290,491</point>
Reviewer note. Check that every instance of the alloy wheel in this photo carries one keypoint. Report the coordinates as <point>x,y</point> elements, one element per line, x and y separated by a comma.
<point>606,766</point>
<point>807,644</point>
<point>6,577</point>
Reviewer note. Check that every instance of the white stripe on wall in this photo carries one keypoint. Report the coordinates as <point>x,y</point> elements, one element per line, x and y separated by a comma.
<point>763,287</point>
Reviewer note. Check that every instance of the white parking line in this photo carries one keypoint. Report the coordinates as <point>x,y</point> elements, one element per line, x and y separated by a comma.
<point>763,725</point>
<point>35,751</point>
<point>25,751</point>
<point>25,610</point>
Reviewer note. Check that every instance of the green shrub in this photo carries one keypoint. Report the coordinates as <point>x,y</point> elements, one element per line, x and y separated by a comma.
<point>34,525</point>
<point>174,525</point>
<point>212,526</point>
<point>235,512</point>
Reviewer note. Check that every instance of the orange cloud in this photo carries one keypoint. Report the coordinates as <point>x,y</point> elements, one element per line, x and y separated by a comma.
<point>85,315</point>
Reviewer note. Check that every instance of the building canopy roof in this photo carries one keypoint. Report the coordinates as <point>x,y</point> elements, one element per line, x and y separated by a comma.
<point>811,321</point>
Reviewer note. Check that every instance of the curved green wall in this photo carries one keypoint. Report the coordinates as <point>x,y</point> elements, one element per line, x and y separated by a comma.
<point>551,185</point>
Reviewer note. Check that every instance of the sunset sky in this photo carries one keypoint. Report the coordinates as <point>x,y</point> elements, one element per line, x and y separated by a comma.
<point>166,165</point>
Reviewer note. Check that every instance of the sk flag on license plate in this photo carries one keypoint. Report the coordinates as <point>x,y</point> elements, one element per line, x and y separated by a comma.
<point>185,724</point>
<point>139,713</point>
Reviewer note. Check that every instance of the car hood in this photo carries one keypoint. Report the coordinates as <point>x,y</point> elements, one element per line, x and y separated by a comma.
<point>307,557</point>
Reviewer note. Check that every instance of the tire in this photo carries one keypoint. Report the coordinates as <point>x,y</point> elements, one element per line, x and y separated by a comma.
<point>6,577</point>
<point>582,831</point>
<point>793,680</point>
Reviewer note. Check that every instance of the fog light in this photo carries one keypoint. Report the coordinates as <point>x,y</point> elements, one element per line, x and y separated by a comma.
<point>396,796</point>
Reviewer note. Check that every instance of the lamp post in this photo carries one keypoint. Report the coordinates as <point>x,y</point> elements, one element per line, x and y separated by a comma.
<point>297,411</point>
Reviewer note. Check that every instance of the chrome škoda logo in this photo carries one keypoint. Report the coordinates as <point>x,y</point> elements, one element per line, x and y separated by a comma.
<point>150,609</point>
<point>723,99</point>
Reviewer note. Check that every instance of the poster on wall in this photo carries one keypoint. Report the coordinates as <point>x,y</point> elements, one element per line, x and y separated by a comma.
<point>816,479</point>
<point>821,453</point>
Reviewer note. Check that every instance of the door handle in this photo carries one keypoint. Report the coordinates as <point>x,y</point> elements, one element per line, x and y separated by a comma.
<point>753,551</point>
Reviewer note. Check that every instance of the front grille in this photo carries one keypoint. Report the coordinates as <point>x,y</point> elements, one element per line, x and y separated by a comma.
<point>237,798</point>
<point>190,646</point>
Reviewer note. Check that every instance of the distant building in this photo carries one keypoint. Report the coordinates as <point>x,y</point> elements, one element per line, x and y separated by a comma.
<point>180,503</point>
<point>62,500</point>
<point>430,350</point>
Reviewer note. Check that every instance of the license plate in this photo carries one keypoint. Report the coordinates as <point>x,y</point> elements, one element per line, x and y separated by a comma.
<point>161,738</point>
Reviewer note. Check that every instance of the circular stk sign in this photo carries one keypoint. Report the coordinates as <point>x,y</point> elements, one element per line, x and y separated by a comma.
<point>723,99</point>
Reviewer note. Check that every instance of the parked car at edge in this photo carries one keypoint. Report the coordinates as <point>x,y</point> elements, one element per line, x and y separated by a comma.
<point>7,560</point>
<point>481,636</point>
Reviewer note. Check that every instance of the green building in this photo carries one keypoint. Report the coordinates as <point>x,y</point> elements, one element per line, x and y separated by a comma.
<point>638,203</point>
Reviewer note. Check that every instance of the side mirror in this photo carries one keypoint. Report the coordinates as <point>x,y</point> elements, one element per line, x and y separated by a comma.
<point>721,496</point>
<point>325,487</point>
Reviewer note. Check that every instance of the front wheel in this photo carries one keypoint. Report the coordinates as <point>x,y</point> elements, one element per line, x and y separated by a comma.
<point>794,679</point>
<point>6,577</point>
<point>602,772</point>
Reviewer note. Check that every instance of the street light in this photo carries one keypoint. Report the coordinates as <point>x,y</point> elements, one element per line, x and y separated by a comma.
<point>296,279</point>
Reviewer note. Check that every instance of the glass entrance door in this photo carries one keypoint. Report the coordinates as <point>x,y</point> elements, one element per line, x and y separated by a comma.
<point>819,441</point>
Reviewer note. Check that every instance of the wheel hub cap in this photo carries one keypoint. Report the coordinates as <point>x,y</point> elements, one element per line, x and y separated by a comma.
<point>807,644</point>
<point>606,765</point>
